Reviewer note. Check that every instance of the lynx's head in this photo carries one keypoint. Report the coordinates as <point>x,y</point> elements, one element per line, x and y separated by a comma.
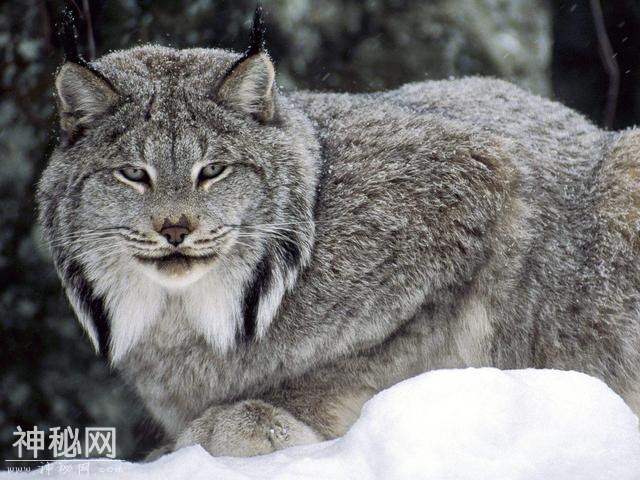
<point>180,176</point>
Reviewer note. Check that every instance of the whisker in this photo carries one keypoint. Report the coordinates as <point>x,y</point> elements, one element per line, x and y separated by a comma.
<point>94,236</point>
<point>267,235</point>
<point>274,224</point>
<point>239,242</point>
<point>271,227</point>
<point>82,240</point>
<point>124,231</point>
<point>99,251</point>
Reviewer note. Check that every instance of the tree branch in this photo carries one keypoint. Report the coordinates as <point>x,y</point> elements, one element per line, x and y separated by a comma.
<point>609,62</point>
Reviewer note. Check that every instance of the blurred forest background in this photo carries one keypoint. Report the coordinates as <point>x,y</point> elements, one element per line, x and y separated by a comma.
<point>49,376</point>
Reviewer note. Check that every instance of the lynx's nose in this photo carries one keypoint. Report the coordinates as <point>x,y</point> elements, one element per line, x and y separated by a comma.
<point>175,233</point>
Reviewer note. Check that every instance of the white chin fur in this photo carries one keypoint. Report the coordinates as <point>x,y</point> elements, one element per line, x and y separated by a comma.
<point>207,298</point>
<point>175,280</point>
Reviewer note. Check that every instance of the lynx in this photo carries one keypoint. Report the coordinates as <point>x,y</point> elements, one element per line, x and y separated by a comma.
<point>258,264</point>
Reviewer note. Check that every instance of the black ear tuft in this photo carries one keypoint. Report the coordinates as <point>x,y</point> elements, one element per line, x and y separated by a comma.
<point>68,35</point>
<point>248,86</point>
<point>256,38</point>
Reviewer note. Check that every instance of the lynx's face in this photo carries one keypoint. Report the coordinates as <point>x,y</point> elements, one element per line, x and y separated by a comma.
<point>179,175</point>
<point>177,202</point>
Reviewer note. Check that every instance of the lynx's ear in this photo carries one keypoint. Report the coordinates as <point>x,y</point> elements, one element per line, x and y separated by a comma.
<point>249,86</point>
<point>83,95</point>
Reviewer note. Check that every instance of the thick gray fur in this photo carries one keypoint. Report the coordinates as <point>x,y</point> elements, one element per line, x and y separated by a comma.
<point>441,225</point>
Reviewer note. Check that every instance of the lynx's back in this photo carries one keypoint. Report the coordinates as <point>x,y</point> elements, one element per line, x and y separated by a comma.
<point>566,290</point>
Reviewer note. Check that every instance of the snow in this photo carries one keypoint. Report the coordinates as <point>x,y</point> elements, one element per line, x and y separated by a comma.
<point>445,424</point>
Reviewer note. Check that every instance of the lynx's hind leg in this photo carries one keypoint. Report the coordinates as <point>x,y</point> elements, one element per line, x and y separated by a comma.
<point>617,191</point>
<point>632,398</point>
<point>616,246</point>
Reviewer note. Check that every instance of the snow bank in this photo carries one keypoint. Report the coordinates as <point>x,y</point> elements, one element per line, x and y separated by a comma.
<point>447,424</point>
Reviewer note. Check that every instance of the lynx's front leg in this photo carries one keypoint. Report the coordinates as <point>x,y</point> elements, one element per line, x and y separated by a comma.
<point>247,428</point>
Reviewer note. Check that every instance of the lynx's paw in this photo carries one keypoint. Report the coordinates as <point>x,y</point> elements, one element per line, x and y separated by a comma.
<point>247,428</point>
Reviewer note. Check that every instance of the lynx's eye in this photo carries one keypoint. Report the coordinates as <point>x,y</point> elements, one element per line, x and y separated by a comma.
<point>135,177</point>
<point>138,175</point>
<point>211,171</point>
